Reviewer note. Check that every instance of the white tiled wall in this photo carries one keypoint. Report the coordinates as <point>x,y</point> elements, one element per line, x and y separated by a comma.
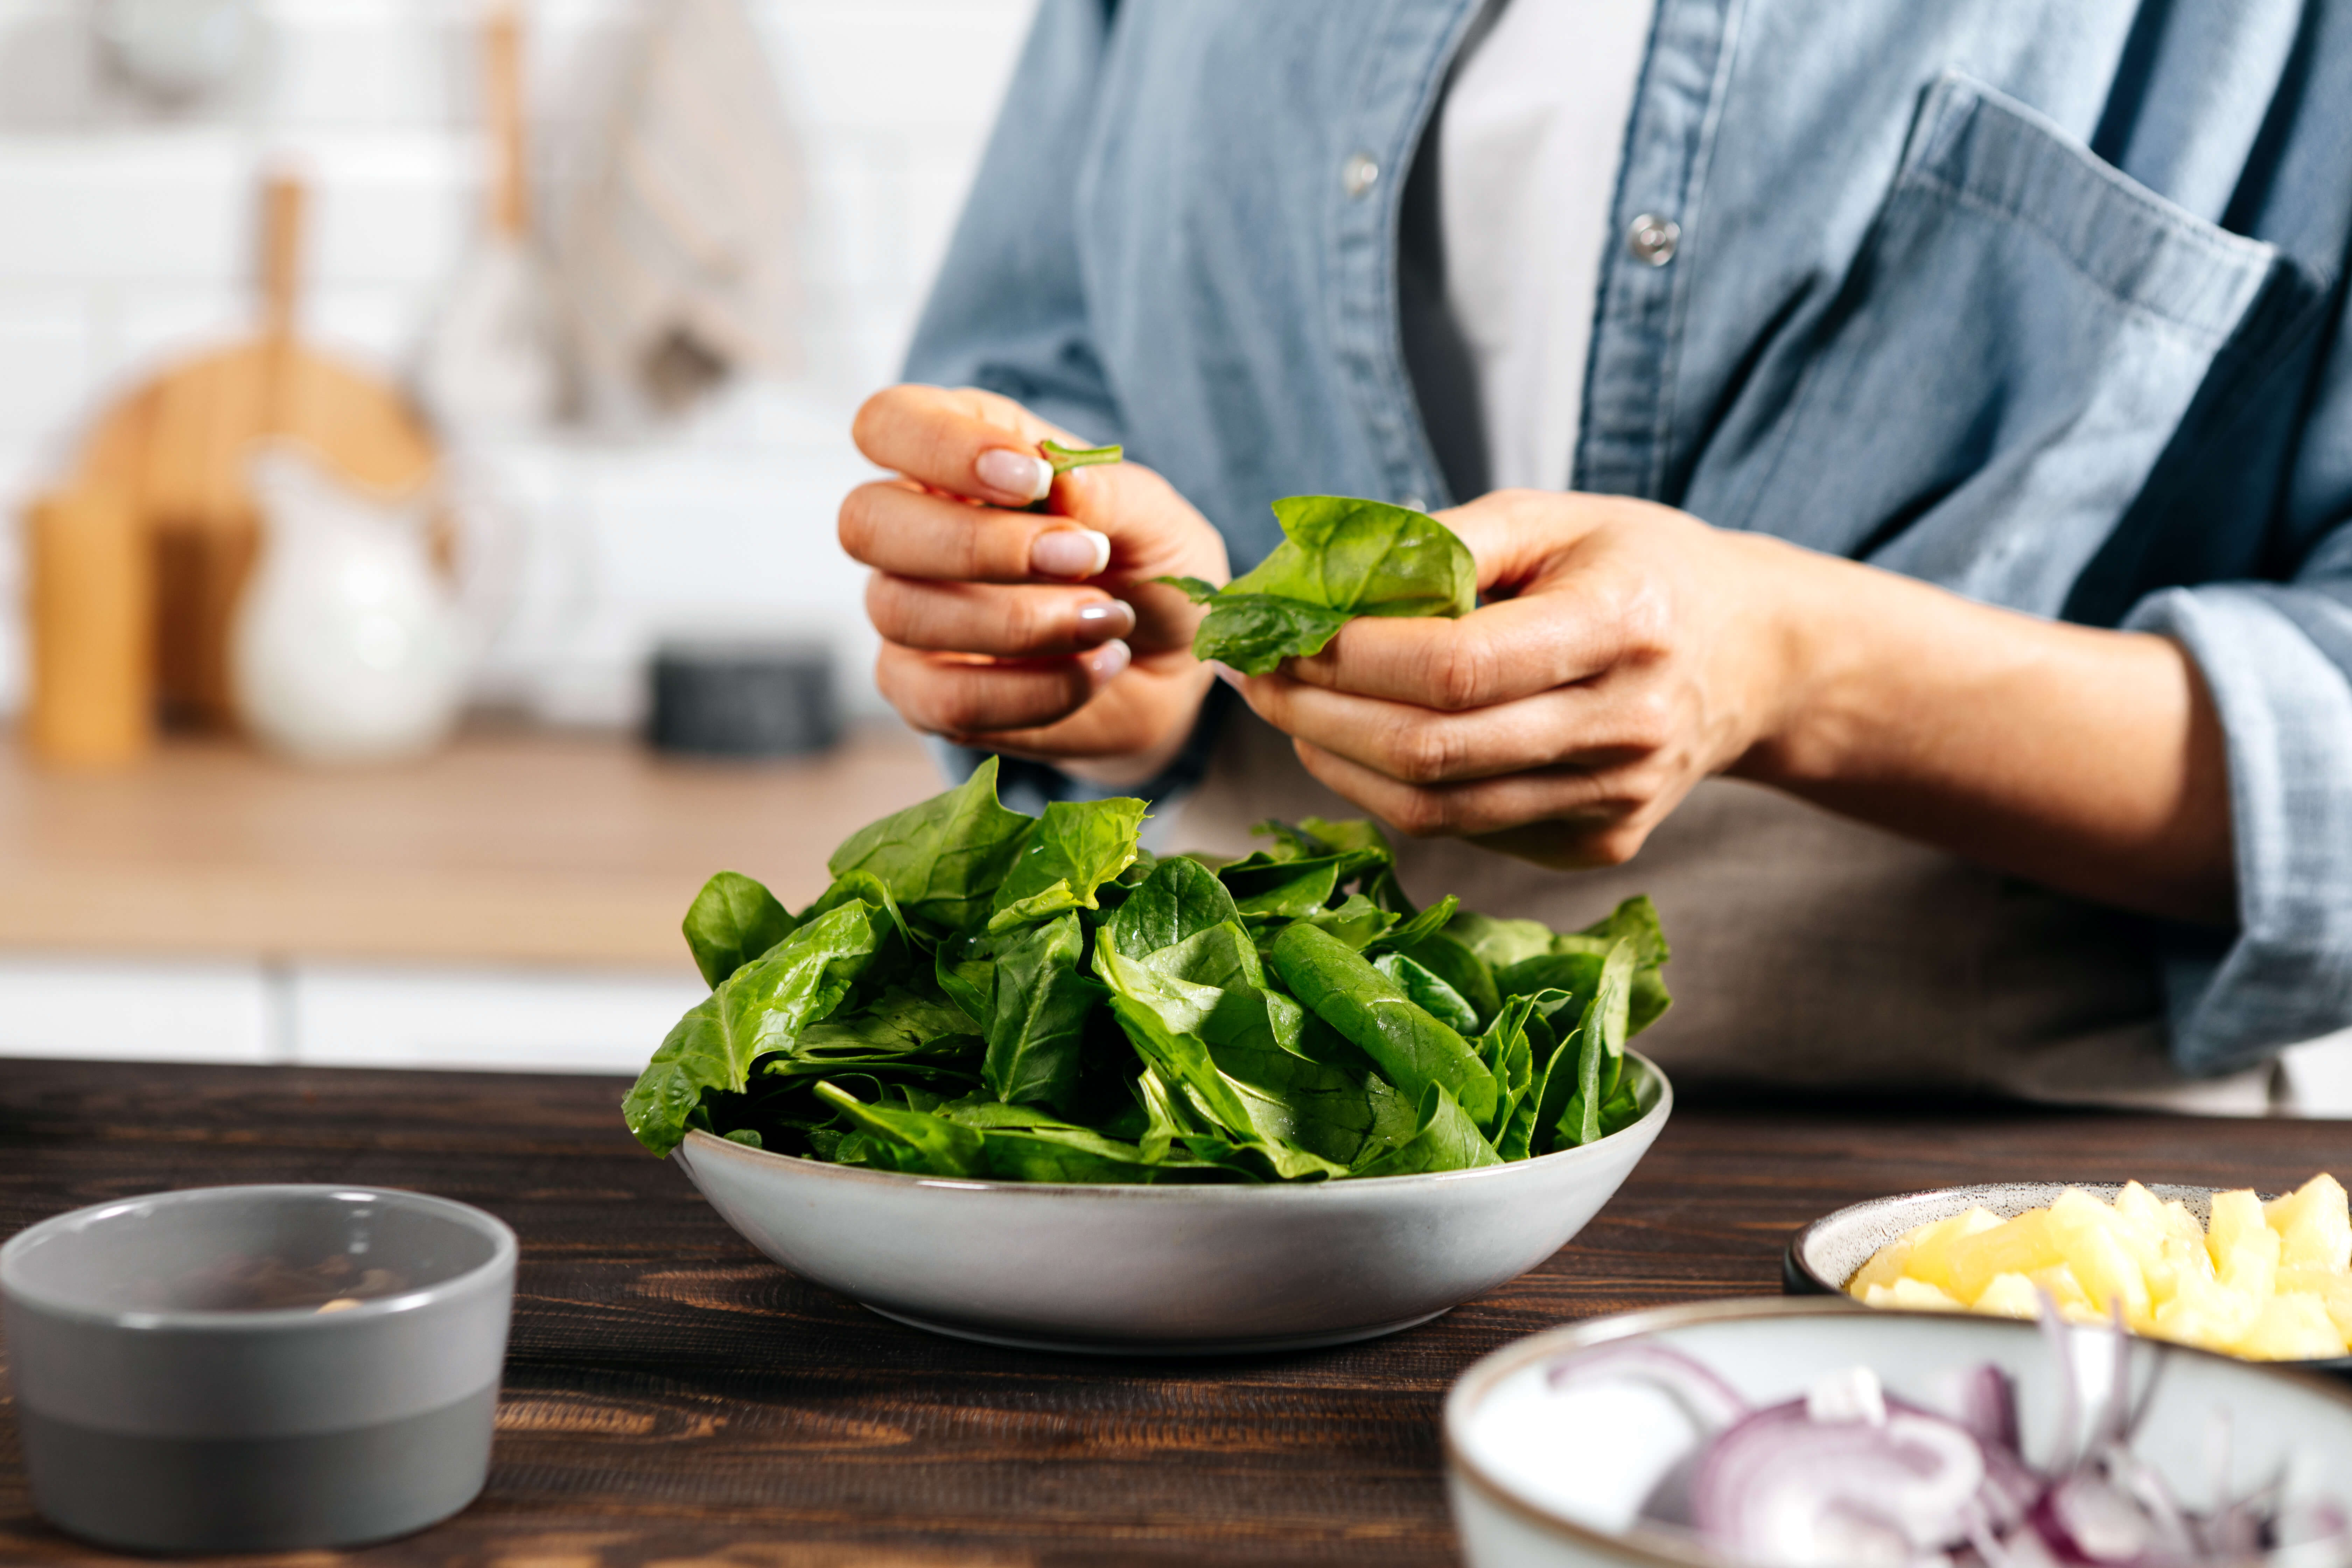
<point>125,238</point>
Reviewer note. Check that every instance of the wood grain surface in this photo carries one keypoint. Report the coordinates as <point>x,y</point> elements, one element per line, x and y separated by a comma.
<point>671,1398</point>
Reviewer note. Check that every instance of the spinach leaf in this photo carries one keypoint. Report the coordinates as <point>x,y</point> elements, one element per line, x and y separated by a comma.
<point>1381,884</point>
<point>1430,994</point>
<point>895,1027</point>
<point>1411,1049</point>
<point>915,1141</point>
<point>761,1008</point>
<point>1456,964</point>
<point>1601,1051</point>
<point>1281,890</point>
<point>1444,1139</point>
<point>943,860</point>
<point>1365,557</point>
<point>1499,943</point>
<point>1185,1062</point>
<point>1255,631</point>
<point>1064,1154</point>
<point>1077,846</point>
<point>1428,923</point>
<point>1179,898</point>
<point>1039,1013</point>
<point>731,922</point>
<point>1340,557</point>
<point>1636,920</point>
<point>1359,922</point>
<point>964,969</point>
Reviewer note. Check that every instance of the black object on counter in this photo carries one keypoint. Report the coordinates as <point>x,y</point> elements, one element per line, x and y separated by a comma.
<point>742,698</point>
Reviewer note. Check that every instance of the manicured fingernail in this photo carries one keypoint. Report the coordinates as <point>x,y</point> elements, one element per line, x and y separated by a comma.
<point>1069,552</point>
<point>1111,618</point>
<point>1227,673</point>
<point>1023,474</point>
<point>1108,659</point>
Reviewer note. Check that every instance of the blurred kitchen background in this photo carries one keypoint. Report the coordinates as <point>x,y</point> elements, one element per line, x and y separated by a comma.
<point>395,395</point>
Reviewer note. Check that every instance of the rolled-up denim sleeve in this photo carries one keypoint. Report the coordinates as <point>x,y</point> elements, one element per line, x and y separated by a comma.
<point>2278,661</point>
<point>1008,312</point>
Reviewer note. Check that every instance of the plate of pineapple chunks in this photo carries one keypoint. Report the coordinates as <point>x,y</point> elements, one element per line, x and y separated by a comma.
<point>2263,1279</point>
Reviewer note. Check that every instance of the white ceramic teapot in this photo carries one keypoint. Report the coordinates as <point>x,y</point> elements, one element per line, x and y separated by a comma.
<point>349,646</point>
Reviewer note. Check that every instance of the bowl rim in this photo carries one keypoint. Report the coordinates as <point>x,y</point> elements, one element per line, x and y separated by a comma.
<point>1658,1550</point>
<point>487,1275</point>
<point>1219,1192</point>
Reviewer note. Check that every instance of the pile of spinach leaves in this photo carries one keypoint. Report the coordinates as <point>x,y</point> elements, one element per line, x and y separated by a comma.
<point>1340,557</point>
<point>981,993</point>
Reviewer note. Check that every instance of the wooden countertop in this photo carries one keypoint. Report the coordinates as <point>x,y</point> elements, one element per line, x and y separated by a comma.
<point>504,847</point>
<point>672,1397</point>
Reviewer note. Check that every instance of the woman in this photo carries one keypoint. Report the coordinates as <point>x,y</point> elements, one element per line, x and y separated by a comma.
<point>1939,416</point>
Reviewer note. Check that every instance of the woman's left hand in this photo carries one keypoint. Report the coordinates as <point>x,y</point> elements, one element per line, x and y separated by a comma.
<point>1627,651</point>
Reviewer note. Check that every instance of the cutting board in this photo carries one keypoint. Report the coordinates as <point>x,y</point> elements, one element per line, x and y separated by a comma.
<point>170,457</point>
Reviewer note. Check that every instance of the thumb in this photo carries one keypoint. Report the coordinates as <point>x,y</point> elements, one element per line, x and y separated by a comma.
<point>1152,529</point>
<point>1513,534</point>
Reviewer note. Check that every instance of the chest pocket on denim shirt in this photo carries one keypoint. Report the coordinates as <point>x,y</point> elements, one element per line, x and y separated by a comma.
<point>2011,352</point>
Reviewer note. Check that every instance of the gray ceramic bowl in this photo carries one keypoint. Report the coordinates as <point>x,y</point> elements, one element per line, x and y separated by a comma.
<point>244,1369</point>
<point>1828,1252</point>
<point>1175,1269</point>
<point>1535,1487</point>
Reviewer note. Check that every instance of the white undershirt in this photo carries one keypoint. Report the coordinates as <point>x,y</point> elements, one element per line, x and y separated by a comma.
<point>1528,156</point>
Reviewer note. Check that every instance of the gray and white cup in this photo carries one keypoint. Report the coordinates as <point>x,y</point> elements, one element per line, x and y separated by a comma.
<point>245,1369</point>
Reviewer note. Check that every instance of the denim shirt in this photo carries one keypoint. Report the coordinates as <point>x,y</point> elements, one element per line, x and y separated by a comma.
<point>2038,299</point>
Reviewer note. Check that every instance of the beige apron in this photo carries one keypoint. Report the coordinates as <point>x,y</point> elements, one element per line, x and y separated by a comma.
<point>1809,951</point>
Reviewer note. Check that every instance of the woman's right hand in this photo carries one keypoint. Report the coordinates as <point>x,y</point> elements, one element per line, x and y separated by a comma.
<point>1042,635</point>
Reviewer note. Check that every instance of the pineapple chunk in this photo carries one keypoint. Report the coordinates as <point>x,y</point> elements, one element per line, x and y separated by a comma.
<point>2291,1328</point>
<point>2010,1296</point>
<point>2206,1313</point>
<point>1885,1266</point>
<point>2091,1238</point>
<point>2331,1287</point>
<point>2313,1224</point>
<point>2019,1246</point>
<point>2250,1266</point>
<point>2236,1215</point>
<point>2074,1304</point>
<point>2182,1223</point>
<point>2143,1218</point>
<point>1931,1246</point>
<point>1916,1294</point>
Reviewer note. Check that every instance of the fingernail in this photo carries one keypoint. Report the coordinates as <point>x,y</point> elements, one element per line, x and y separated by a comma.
<point>1227,673</point>
<point>1069,552</point>
<point>1011,473</point>
<point>1113,618</point>
<point>1108,659</point>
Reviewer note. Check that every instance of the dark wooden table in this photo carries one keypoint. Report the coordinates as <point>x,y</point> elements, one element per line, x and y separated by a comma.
<point>672,1398</point>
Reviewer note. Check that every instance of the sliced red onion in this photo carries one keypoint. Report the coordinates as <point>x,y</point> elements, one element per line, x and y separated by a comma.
<point>1784,1490</point>
<point>1983,1399</point>
<point>1847,1477</point>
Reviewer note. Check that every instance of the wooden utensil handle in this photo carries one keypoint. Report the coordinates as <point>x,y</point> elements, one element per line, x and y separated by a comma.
<point>502,83</point>
<point>281,252</point>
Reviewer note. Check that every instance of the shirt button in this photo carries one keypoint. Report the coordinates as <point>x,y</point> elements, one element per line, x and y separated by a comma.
<point>1359,174</point>
<point>1652,238</point>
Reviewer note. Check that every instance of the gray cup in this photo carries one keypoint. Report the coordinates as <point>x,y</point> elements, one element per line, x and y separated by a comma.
<point>251,1369</point>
